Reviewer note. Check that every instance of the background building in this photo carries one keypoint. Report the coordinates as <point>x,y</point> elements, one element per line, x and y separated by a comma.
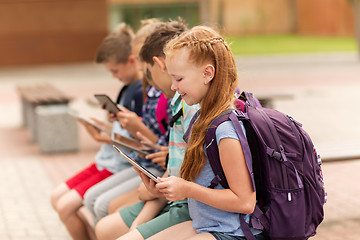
<point>48,31</point>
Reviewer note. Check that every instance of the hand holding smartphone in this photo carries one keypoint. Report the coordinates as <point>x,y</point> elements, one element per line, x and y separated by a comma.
<point>107,103</point>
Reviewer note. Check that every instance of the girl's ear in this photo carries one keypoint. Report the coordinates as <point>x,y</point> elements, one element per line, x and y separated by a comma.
<point>209,73</point>
<point>161,62</point>
<point>132,59</point>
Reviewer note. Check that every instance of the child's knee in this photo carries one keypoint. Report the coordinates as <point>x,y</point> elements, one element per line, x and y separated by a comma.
<point>67,207</point>
<point>102,229</point>
<point>100,208</point>
<point>53,199</point>
<point>110,227</point>
<point>57,193</point>
<point>89,203</point>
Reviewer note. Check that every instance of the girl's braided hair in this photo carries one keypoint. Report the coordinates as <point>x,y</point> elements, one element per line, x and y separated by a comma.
<point>205,45</point>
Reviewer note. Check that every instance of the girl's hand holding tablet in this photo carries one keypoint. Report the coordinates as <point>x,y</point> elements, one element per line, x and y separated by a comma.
<point>149,184</point>
<point>174,188</point>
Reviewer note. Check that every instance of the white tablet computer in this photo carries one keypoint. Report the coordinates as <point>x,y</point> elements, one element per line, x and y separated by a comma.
<point>128,145</point>
<point>137,165</point>
<point>134,142</point>
<point>87,120</point>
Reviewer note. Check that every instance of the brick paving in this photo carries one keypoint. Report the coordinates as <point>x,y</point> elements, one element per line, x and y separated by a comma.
<point>325,90</point>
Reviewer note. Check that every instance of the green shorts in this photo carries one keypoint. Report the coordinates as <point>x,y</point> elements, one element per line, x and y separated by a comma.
<point>172,214</point>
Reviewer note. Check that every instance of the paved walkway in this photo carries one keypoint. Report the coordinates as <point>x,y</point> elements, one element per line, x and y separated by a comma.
<point>325,99</point>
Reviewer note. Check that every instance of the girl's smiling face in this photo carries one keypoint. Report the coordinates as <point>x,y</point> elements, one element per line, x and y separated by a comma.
<point>190,80</point>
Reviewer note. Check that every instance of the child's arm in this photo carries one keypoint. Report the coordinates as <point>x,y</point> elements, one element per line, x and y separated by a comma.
<point>150,210</point>
<point>106,126</point>
<point>239,198</point>
<point>95,133</point>
<point>131,122</point>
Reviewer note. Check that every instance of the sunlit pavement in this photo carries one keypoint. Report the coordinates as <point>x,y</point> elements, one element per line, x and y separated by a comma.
<point>325,98</point>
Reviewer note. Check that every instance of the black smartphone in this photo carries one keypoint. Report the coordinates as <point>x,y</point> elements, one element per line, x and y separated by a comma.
<point>107,103</point>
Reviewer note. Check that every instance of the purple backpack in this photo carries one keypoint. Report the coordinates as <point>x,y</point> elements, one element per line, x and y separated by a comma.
<point>284,167</point>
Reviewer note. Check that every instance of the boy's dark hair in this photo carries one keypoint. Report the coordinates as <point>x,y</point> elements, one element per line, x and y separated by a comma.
<point>116,46</point>
<point>155,42</point>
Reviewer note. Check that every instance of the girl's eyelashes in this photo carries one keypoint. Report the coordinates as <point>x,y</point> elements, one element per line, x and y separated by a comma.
<point>177,79</point>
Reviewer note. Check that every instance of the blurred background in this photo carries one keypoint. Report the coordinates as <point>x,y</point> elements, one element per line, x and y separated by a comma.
<point>54,31</point>
<point>302,56</point>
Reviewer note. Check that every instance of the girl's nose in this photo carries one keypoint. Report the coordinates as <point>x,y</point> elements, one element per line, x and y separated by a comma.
<point>174,86</point>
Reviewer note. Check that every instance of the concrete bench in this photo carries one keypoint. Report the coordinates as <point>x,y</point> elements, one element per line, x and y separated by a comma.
<point>45,113</point>
<point>56,129</point>
<point>38,94</point>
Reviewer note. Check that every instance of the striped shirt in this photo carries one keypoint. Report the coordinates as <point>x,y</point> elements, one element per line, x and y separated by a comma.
<point>177,144</point>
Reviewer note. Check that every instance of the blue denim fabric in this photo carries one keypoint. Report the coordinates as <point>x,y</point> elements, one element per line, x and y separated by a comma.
<point>222,236</point>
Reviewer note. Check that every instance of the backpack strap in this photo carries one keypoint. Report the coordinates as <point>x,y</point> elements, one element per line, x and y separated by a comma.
<point>192,121</point>
<point>250,99</point>
<point>176,117</point>
<point>260,222</point>
<point>246,229</point>
<point>234,117</point>
<point>212,149</point>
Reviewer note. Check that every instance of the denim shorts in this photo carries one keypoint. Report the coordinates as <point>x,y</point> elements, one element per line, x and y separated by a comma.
<point>222,236</point>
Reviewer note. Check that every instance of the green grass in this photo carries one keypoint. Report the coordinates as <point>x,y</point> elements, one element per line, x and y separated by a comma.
<point>287,44</point>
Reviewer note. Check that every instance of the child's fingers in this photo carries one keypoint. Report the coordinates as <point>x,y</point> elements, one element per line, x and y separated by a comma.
<point>82,122</point>
<point>157,160</point>
<point>121,114</point>
<point>153,155</point>
<point>97,121</point>
<point>123,109</point>
<point>137,170</point>
<point>161,179</point>
<point>146,141</point>
<point>146,180</point>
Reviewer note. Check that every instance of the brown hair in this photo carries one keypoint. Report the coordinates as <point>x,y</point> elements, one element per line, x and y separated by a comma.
<point>116,46</point>
<point>205,45</point>
<point>155,42</point>
<point>147,26</point>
